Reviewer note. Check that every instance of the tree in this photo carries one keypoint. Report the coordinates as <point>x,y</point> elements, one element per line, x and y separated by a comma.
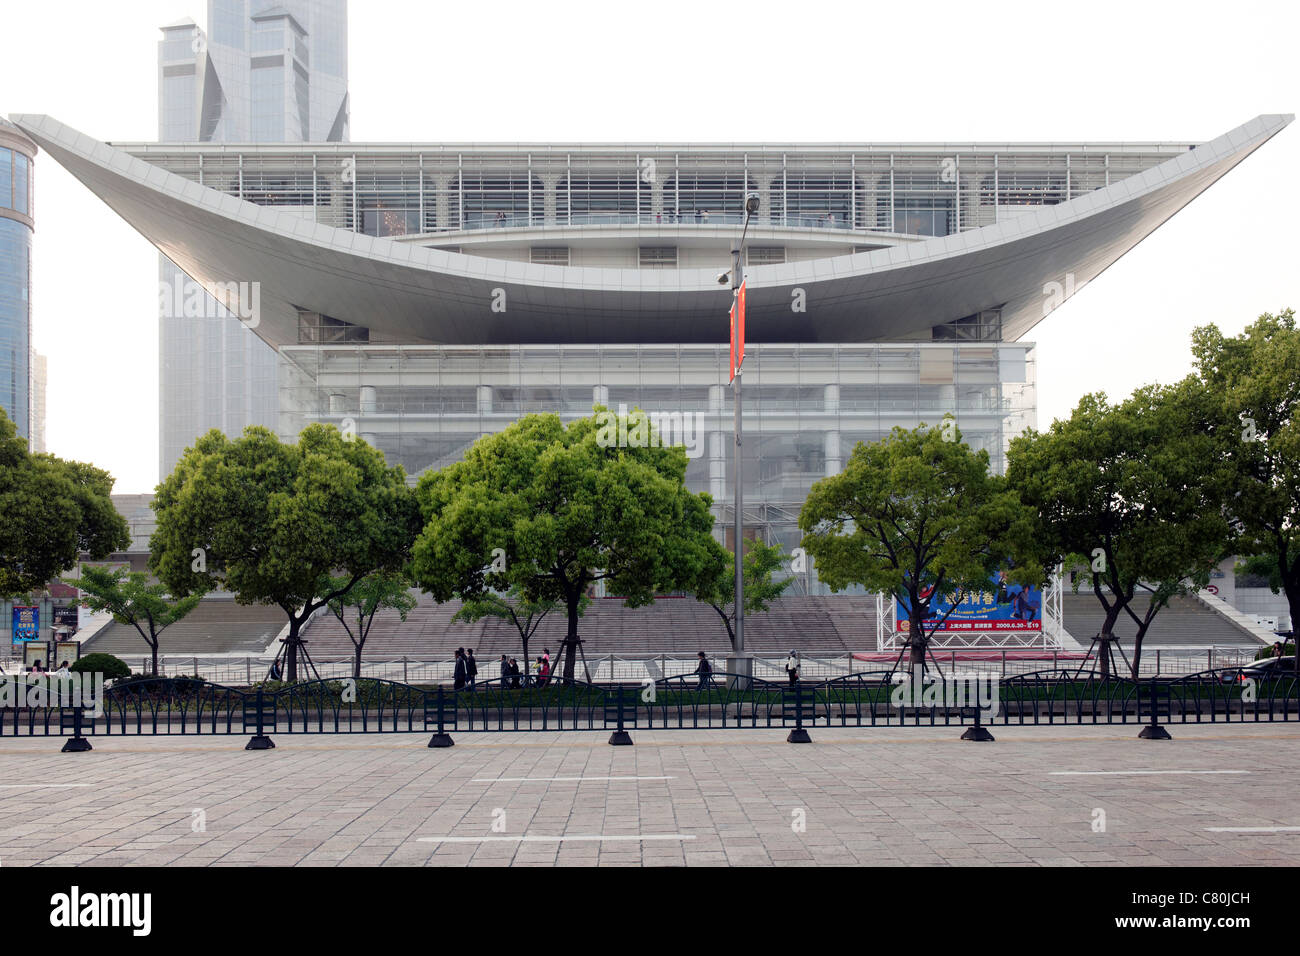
<point>918,516</point>
<point>515,607</point>
<point>133,600</point>
<point>718,589</point>
<point>1127,495</point>
<point>357,606</point>
<point>551,509</point>
<point>1255,378</point>
<point>273,522</point>
<point>51,511</point>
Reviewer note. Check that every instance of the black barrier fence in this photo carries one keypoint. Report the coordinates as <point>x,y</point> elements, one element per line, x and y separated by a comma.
<point>891,698</point>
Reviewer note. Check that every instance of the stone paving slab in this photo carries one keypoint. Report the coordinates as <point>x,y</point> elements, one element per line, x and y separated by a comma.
<point>889,796</point>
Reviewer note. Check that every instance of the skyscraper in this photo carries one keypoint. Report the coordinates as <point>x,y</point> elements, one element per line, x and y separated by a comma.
<point>16,225</point>
<point>40,382</point>
<point>260,73</point>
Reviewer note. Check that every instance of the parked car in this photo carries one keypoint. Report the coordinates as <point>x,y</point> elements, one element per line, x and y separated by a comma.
<point>1267,669</point>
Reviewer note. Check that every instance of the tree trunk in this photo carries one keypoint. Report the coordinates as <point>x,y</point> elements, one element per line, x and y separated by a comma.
<point>524,676</point>
<point>291,650</point>
<point>356,662</point>
<point>917,637</point>
<point>153,647</point>
<point>1293,603</point>
<point>571,638</point>
<point>1108,635</point>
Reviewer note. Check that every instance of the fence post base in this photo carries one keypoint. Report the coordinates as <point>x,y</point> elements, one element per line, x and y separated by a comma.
<point>978,733</point>
<point>620,738</point>
<point>1154,732</point>
<point>798,736</point>
<point>260,742</point>
<point>76,745</point>
<point>441,740</point>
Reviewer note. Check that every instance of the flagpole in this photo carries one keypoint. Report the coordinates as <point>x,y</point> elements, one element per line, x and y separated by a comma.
<point>738,277</point>
<point>743,665</point>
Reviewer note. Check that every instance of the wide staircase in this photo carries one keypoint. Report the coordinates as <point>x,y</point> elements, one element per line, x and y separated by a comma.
<point>826,625</point>
<point>1185,623</point>
<point>217,626</point>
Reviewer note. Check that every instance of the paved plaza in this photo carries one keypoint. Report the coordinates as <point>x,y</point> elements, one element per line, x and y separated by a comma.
<point>1215,795</point>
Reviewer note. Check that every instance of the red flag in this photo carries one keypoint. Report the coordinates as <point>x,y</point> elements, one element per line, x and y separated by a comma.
<point>733,341</point>
<point>740,326</point>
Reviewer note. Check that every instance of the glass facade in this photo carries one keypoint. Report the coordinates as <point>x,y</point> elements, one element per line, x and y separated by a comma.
<point>805,406</point>
<point>853,195</point>
<point>16,188</point>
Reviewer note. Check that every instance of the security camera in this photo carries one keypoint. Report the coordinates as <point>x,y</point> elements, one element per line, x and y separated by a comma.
<point>724,277</point>
<point>751,202</point>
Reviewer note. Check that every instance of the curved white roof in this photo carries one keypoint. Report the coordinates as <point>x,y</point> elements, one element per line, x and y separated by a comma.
<point>410,293</point>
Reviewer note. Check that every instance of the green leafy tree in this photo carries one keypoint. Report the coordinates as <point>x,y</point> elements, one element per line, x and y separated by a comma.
<point>551,509</point>
<point>918,515</point>
<point>515,607</point>
<point>718,589</point>
<point>1255,381</point>
<point>1128,498</point>
<point>51,511</point>
<point>278,523</point>
<point>356,606</point>
<point>133,600</point>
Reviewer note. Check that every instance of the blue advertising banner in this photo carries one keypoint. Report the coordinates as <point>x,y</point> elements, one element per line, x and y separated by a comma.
<point>27,623</point>
<point>1004,607</point>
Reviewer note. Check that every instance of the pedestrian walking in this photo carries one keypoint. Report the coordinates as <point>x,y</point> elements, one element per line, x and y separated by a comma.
<point>471,669</point>
<point>705,671</point>
<point>505,672</point>
<point>792,667</point>
<point>514,674</point>
<point>458,678</point>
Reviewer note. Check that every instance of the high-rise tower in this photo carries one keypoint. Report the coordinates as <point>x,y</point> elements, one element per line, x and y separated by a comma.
<point>261,73</point>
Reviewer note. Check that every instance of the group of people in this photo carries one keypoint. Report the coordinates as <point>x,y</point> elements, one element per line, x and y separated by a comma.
<point>466,673</point>
<point>512,675</point>
<point>63,669</point>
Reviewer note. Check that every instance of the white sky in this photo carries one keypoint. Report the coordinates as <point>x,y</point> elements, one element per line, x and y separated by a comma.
<point>813,71</point>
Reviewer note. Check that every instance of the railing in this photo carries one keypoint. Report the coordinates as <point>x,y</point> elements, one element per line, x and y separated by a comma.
<point>805,220</point>
<point>621,668</point>
<point>884,698</point>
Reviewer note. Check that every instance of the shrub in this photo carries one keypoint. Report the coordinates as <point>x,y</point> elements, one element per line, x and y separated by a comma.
<point>111,667</point>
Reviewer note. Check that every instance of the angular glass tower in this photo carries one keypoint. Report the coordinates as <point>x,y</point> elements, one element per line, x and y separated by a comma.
<point>261,73</point>
<point>16,225</point>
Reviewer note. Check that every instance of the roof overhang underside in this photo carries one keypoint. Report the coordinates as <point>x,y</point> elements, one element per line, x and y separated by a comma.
<point>408,293</point>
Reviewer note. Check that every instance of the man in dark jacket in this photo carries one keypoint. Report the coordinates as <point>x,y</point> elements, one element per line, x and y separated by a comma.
<point>705,671</point>
<point>459,680</point>
<point>471,668</point>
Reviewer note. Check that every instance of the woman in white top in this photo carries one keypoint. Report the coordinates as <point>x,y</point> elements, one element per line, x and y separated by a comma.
<point>792,667</point>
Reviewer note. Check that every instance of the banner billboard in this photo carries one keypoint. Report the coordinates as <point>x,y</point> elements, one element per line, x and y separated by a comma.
<point>1003,607</point>
<point>27,623</point>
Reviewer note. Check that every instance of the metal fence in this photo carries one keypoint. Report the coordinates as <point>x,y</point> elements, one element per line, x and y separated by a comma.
<point>885,698</point>
<point>616,668</point>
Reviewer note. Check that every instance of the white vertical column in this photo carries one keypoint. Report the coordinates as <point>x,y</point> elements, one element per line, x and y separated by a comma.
<point>369,399</point>
<point>485,399</point>
<point>832,448</point>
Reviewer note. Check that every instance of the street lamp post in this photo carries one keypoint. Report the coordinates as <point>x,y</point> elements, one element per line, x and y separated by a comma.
<point>742,663</point>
